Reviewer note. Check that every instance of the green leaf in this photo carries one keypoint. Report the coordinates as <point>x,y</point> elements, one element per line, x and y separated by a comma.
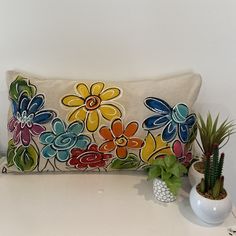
<point>165,175</point>
<point>182,169</point>
<point>26,158</point>
<point>130,162</point>
<point>174,184</point>
<point>154,172</point>
<point>159,162</point>
<point>10,153</point>
<point>169,161</point>
<point>19,85</point>
<point>175,170</point>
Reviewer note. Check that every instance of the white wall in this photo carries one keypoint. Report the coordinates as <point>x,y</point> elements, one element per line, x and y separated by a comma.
<point>125,39</point>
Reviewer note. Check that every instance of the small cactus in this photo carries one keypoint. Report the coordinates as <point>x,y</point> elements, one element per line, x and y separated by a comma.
<point>213,181</point>
<point>216,188</point>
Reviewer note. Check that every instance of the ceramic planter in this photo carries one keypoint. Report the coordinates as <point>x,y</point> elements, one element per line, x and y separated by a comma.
<point>194,176</point>
<point>162,192</point>
<point>210,211</point>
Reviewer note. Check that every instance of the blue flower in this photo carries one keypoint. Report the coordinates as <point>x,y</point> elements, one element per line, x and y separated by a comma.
<point>174,120</point>
<point>28,118</point>
<point>62,139</point>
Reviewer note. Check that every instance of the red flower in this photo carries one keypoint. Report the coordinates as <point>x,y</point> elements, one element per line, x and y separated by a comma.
<point>182,153</point>
<point>90,157</point>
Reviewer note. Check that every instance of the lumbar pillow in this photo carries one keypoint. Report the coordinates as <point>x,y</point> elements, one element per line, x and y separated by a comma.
<point>68,125</point>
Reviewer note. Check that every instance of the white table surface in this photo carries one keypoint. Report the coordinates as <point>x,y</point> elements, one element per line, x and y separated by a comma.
<point>95,204</point>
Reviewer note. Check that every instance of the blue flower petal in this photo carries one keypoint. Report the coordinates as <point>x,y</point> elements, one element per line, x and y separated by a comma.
<point>180,113</point>
<point>183,132</point>
<point>76,127</point>
<point>169,132</point>
<point>156,121</point>
<point>14,108</point>
<point>58,126</point>
<point>191,120</point>
<point>36,104</point>
<point>83,141</point>
<point>48,152</point>
<point>47,137</point>
<point>157,105</point>
<point>44,116</point>
<point>65,141</point>
<point>23,103</point>
<point>63,155</point>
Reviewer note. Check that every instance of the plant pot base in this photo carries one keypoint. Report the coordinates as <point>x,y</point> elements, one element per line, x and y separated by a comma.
<point>162,192</point>
<point>210,211</point>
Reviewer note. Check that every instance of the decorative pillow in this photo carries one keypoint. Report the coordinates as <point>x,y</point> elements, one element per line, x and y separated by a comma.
<point>67,125</point>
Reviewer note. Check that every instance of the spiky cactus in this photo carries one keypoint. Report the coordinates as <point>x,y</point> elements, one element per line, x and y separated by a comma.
<point>213,181</point>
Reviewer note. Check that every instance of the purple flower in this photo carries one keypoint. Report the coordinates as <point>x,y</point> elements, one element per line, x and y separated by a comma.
<point>28,118</point>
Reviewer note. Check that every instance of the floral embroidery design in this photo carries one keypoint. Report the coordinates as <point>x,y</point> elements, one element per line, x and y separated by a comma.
<point>182,153</point>
<point>91,157</point>
<point>174,120</point>
<point>154,148</point>
<point>28,118</point>
<point>120,139</point>
<point>27,122</point>
<point>90,103</point>
<point>62,139</point>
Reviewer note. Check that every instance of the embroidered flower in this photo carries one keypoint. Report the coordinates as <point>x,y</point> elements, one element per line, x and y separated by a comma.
<point>90,103</point>
<point>62,139</point>
<point>28,118</point>
<point>174,120</point>
<point>119,138</point>
<point>154,148</point>
<point>91,157</point>
<point>182,153</point>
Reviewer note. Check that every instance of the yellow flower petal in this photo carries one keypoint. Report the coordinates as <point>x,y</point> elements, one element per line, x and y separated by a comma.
<point>97,88</point>
<point>148,148</point>
<point>110,93</point>
<point>110,112</point>
<point>72,101</point>
<point>92,121</point>
<point>159,142</point>
<point>154,148</point>
<point>83,90</point>
<point>78,114</point>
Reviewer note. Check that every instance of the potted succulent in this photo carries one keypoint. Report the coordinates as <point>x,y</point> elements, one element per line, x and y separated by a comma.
<point>166,174</point>
<point>210,133</point>
<point>208,199</point>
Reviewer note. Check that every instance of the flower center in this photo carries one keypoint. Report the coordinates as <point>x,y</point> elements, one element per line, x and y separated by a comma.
<point>121,141</point>
<point>24,118</point>
<point>92,102</point>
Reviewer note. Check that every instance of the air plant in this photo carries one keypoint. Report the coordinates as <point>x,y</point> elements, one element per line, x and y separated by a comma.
<point>211,132</point>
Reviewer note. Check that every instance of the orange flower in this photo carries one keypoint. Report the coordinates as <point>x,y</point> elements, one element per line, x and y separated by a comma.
<point>119,138</point>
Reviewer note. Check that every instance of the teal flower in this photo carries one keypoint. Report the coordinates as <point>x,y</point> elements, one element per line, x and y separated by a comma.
<point>62,139</point>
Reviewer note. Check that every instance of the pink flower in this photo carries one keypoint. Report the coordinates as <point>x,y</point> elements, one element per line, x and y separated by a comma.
<point>182,153</point>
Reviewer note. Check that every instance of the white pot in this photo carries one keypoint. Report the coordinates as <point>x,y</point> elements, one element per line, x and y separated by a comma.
<point>162,192</point>
<point>194,176</point>
<point>210,211</point>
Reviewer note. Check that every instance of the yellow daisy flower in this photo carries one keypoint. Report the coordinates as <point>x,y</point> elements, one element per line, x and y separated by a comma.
<point>90,103</point>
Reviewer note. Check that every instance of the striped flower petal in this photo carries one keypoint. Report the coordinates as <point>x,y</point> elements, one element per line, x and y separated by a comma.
<point>72,101</point>
<point>83,90</point>
<point>110,93</point>
<point>96,88</point>
<point>110,111</point>
<point>78,114</point>
<point>92,121</point>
